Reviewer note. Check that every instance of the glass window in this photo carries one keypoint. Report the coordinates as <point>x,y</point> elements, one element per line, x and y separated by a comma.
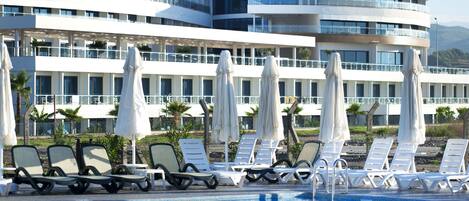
<point>240,24</point>
<point>113,16</point>
<point>333,26</point>
<point>443,91</point>
<point>68,12</point>
<point>148,19</point>
<point>455,91</point>
<point>345,86</point>
<point>92,14</point>
<point>208,87</point>
<point>314,89</point>
<point>70,85</point>
<point>465,91</point>
<point>360,90</point>
<point>118,82</point>
<point>96,85</point>
<point>347,55</point>
<point>432,91</point>
<point>392,90</point>
<point>43,85</point>
<point>376,90</point>
<point>390,58</point>
<point>132,18</point>
<point>246,87</point>
<point>146,86</point>
<point>166,87</point>
<point>298,90</point>
<point>38,10</point>
<point>12,10</point>
<point>187,87</point>
<point>229,6</point>
<point>281,89</point>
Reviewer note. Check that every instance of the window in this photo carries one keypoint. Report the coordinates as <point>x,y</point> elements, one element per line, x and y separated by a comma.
<point>432,91</point>
<point>70,85</point>
<point>314,92</point>
<point>246,85</point>
<point>391,58</point>
<point>148,19</point>
<point>230,6</point>
<point>92,14</point>
<point>38,10</point>
<point>132,18</point>
<point>166,87</point>
<point>339,27</point>
<point>113,16</point>
<point>281,89</point>
<point>360,90</point>
<point>146,86</point>
<point>347,55</point>
<point>376,90</point>
<point>97,126</point>
<point>12,10</point>
<point>43,85</point>
<point>455,91</point>
<point>67,12</point>
<point>240,24</point>
<point>443,91</point>
<point>96,85</point>
<point>345,89</point>
<point>298,90</point>
<point>465,91</point>
<point>187,87</point>
<point>383,28</point>
<point>208,90</point>
<point>392,90</point>
<point>118,82</point>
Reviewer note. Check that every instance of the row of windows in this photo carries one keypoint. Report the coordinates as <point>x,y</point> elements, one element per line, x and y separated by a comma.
<point>229,6</point>
<point>382,57</point>
<point>43,87</point>
<point>239,24</point>
<point>18,10</point>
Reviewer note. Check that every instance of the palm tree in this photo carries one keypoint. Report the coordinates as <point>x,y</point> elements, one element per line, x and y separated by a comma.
<point>71,115</point>
<point>253,113</point>
<point>177,110</point>
<point>355,111</point>
<point>297,110</point>
<point>39,116</point>
<point>19,84</point>
<point>115,111</point>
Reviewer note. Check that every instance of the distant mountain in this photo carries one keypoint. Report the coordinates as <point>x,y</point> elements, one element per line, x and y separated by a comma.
<point>449,37</point>
<point>450,58</point>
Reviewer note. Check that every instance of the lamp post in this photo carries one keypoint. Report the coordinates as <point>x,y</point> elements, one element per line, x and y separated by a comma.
<point>436,41</point>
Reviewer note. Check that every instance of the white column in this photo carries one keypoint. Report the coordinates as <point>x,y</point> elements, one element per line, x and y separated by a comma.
<point>163,49</point>
<point>17,43</point>
<point>205,53</point>
<point>201,86</point>
<point>199,54</point>
<point>235,55</point>
<point>294,56</point>
<point>277,52</point>
<point>70,44</point>
<point>243,55</point>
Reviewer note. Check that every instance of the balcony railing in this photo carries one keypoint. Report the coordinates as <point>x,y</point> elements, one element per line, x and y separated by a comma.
<point>80,52</point>
<point>352,3</point>
<point>162,100</point>
<point>340,30</point>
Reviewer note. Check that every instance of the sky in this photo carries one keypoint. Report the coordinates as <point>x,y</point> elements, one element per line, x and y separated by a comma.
<point>450,12</point>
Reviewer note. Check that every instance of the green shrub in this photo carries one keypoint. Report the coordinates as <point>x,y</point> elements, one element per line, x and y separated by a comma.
<point>358,129</point>
<point>461,112</point>
<point>174,134</point>
<point>444,114</point>
<point>113,145</point>
<point>296,149</point>
<point>441,131</point>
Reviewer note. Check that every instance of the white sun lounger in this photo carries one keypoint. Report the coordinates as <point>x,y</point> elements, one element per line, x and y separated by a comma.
<point>377,160</point>
<point>330,153</point>
<point>265,156</point>
<point>193,152</point>
<point>451,169</point>
<point>244,154</point>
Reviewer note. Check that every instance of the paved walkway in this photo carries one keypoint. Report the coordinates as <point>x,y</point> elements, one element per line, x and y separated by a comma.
<point>248,192</point>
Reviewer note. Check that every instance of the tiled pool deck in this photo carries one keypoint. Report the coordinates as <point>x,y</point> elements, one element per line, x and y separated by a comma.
<point>248,192</point>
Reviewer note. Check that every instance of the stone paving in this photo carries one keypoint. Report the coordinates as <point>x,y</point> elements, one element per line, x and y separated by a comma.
<point>248,192</point>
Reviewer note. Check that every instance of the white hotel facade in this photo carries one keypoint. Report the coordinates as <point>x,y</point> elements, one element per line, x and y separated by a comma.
<point>75,50</point>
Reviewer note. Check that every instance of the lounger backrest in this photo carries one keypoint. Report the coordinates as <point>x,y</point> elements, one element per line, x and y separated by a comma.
<point>330,152</point>
<point>165,155</point>
<point>193,152</point>
<point>28,158</point>
<point>96,156</point>
<point>453,158</point>
<point>245,153</point>
<point>64,158</point>
<point>403,157</point>
<point>378,156</point>
<point>309,152</point>
<point>266,152</point>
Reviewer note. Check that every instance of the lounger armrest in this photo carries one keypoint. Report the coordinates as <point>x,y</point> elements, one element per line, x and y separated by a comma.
<point>303,162</point>
<point>190,165</point>
<point>158,166</point>
<point>93,169</point>
<point>121,169</point>
<point>20,170</point>
<point>280,162</point>
<point>55,170</point>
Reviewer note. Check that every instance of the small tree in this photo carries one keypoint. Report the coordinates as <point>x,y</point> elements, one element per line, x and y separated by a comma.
<point>461,112</point>
<point>355,110</point>
<point>176,109</point>
<point>19,84</point>
<point>444,114</point>
<point>71,115</point>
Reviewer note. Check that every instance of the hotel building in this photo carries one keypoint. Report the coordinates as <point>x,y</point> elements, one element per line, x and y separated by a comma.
<point>75,50</point>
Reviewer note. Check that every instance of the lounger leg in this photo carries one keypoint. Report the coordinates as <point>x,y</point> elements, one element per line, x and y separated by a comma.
<point>147,186</point>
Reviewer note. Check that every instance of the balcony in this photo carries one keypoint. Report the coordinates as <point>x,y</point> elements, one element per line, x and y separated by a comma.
<point>385,4</point>
<point>79,52</point>
<point>162,100</point>
<point>340,30</point>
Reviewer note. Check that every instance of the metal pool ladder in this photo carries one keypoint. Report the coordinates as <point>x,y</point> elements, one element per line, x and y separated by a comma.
<point>345,166</point>
<point>314,180</point>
